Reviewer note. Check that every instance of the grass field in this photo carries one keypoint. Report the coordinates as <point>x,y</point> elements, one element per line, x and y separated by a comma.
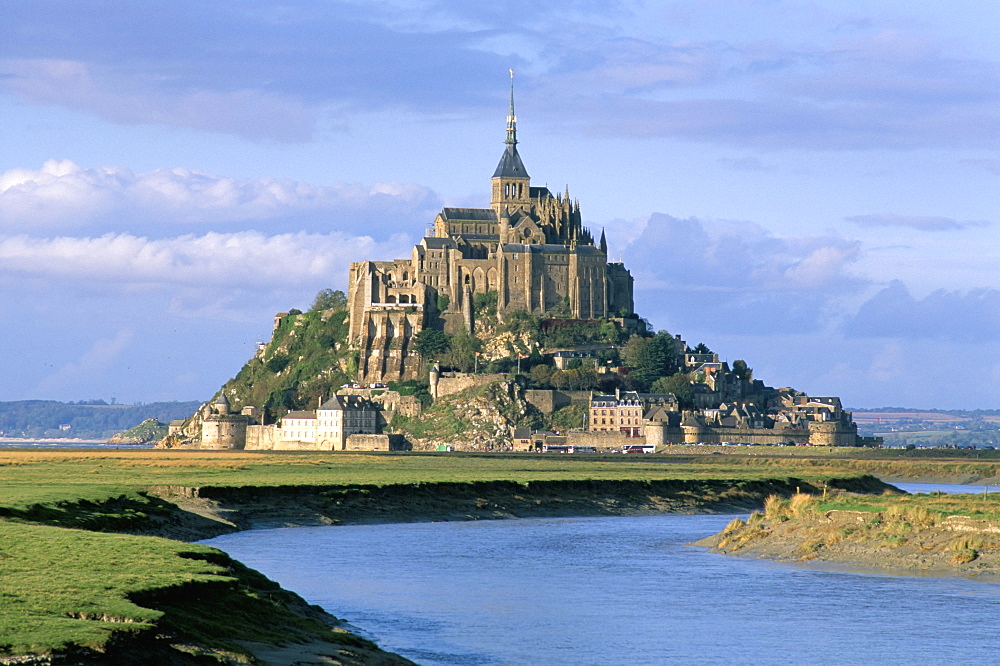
<point>61,587</point>
<point>45,477</point>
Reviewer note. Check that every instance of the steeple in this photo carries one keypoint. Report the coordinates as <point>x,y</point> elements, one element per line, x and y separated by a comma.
<point>511,118</point>
<point>511,183</point>
<point>604,243</point>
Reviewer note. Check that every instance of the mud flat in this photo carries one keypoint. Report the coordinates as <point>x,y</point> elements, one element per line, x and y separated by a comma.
<point>926,535</point>
<point>207,511</point>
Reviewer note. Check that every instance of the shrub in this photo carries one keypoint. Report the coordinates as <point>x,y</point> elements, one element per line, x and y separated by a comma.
<point>734,525</point>
<point>777,508</point>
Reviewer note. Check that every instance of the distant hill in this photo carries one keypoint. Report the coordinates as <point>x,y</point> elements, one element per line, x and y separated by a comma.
<point>901,426</point>
<point>52,419</point>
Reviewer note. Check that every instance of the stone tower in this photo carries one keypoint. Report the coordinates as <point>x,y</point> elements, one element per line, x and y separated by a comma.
<point>511,183</point>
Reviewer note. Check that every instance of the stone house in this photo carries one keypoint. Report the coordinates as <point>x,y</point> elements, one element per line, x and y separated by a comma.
<point>628,411</point>
<point>329,426</point>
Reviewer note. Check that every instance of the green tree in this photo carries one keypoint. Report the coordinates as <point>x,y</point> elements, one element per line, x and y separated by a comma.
<point>431,344</point>
<point>702,348</point>
<point>329,299</point>
<point>650,358</point>
<point>462,354</point>
<point>608,331</point>
<point>678,384</point>
<point>541,375</point>
<point>742,370</point>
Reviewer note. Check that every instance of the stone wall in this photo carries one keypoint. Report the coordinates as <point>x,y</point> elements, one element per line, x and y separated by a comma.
<point>832,433</point>
<point>762,436</point>
<point>263,438</point>
<point>224,432</point>
<point>376,443</point>
<point>453,382</point>
<point>602,440</point>
<point>548,401</point>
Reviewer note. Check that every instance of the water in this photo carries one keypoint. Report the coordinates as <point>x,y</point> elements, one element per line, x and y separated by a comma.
<point>614,590</point>
<point>66,444</point>
<point>947,488</point>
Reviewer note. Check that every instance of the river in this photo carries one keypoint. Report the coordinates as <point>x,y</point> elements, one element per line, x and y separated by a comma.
<point>612,591</point>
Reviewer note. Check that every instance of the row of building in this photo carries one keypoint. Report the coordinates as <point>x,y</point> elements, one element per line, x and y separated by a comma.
<point>342,423</point>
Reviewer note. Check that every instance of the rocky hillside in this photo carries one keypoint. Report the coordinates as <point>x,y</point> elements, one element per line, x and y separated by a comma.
<point>483,415</point>
<point>150,430</point>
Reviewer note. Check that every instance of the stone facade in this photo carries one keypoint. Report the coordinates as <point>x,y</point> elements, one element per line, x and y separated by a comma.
<point>628,412</point>
<point>529,246</point>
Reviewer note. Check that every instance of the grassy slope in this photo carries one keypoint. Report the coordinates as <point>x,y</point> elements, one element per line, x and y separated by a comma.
<point>304,361</point>
<point>946,533</point>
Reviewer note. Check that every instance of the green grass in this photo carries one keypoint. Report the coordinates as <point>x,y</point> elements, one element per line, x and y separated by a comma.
<point>30,477</point>
<point>910,506</point>
<point>66,592</point>
<point>62,587</point>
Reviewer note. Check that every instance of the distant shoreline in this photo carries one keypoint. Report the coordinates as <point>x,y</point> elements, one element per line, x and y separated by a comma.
<point>51,440</point>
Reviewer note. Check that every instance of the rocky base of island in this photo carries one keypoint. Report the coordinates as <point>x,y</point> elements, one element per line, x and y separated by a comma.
<point>918,535</point>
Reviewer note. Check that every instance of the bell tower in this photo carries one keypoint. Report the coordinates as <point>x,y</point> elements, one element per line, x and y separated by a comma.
<point>511,183</point>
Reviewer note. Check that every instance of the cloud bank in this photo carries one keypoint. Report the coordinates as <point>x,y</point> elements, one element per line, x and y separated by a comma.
<point>62,195</point>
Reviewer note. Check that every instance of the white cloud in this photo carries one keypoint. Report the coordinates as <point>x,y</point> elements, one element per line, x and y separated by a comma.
<point>211,261</point>
<point>62,194</point>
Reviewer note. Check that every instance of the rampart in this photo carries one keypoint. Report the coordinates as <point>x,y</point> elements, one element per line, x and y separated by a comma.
<point>453,382</point>
<point>263,438</point>
<point>376,443</point>
<point>602,439</point>
<point>548,401</point>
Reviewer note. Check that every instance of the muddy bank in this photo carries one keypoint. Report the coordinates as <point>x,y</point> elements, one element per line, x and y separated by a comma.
<point>897,540</point>
<point>207,511</point>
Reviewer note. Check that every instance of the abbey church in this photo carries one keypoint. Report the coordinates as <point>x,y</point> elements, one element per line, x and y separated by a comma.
<point>529,246</point>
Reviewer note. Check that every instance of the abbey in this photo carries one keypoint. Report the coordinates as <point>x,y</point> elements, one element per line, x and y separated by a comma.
<point>529,247</point>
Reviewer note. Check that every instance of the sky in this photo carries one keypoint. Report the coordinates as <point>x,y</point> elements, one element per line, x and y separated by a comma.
<point>810,186</point>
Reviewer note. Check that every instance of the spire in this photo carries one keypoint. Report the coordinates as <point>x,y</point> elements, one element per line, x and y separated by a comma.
<point>510,163</point>
<point>511,118</point>
<point>604,243</point>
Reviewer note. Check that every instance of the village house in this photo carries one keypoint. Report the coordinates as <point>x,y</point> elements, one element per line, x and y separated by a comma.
<point>628,411</point>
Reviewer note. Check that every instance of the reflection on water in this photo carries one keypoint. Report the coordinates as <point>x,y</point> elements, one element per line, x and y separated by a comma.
<point>613,590</point>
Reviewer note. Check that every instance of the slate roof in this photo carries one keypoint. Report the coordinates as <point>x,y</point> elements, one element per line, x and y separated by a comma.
<point>435,243</point>
<point>510,165</point>
<point>332,404</point>
<point>474,214</point>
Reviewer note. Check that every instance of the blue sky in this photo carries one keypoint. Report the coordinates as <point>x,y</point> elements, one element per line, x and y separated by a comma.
<point>810,186</point>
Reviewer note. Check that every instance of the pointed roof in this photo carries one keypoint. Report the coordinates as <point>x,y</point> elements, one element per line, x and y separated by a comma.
<point>604,243</point>
<point>333,404</point>
<point>511,165</point>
